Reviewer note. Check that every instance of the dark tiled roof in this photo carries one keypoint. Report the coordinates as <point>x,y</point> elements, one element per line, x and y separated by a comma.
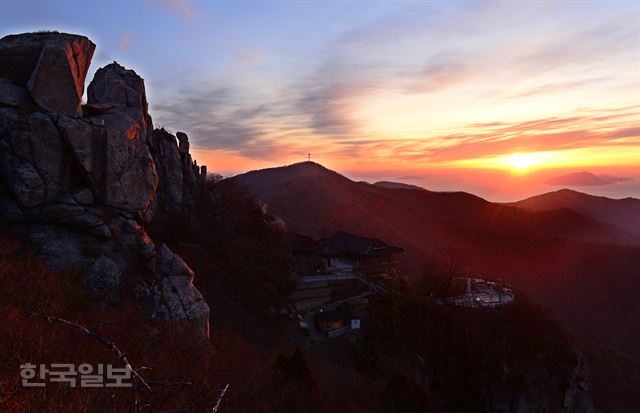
<point>302,244</point>
<point>342,243</point>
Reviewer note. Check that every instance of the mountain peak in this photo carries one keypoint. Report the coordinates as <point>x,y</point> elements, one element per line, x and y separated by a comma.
<point>307,165</point>
<point>306,168</point>
<point>583,178</point>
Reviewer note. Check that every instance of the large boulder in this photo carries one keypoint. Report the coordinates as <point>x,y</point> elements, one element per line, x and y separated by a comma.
<point>131,178</point>
<point>173,295</point>
<point>113,84</point>
<point>52,66</point>
<point>122,90</point>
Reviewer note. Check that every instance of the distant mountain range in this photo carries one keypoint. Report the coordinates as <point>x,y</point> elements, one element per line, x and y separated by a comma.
<point>577,254</point>
<point>623,213</point>
<point>584,178</point>
<point>397,185</point>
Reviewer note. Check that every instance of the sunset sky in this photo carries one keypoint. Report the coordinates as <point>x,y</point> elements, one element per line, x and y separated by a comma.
<point>488,97</point>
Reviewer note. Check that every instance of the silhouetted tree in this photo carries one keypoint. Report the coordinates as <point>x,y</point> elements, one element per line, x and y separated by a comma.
<point>294,369</point>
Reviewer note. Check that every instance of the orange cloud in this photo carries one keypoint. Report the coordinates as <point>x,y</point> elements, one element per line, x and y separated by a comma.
<point>468,93</point>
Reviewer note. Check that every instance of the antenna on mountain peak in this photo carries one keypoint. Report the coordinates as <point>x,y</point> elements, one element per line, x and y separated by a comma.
<point>309,157</point>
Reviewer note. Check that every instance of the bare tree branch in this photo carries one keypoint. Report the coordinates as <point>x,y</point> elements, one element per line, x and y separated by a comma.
<point>104,323</point>
<point>217,406</point>
<point>108,343</point>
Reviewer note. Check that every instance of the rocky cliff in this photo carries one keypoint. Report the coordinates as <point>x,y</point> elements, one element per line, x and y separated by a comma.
<point>180,177</point>
<point>80,182</point>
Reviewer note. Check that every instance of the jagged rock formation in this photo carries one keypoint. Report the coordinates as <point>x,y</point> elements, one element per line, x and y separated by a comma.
<point>180,176</point>
<point>80,182</point>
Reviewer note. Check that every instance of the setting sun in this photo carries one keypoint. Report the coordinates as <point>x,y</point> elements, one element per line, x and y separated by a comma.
<point>520,162</point>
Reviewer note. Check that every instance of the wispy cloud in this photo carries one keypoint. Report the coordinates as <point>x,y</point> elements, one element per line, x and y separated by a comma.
<point>466,82</point>
<point>219,118</point>
<point>181,8</point>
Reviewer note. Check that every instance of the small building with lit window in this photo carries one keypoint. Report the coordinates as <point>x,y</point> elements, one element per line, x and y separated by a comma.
<point>336,322</point>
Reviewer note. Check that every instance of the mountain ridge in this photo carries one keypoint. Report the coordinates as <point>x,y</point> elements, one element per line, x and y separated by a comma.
<point>449,204</point>
<point>622,212</point>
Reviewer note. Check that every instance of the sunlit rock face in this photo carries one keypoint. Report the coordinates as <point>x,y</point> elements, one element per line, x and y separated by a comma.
<point>79,182</point>
<point>51,66</point>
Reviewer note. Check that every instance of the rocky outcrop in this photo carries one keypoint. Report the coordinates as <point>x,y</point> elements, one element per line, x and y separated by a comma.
<point>81,182</point>
<point>175,287</point>
<point>180,176</point>
<point>51,66</point>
